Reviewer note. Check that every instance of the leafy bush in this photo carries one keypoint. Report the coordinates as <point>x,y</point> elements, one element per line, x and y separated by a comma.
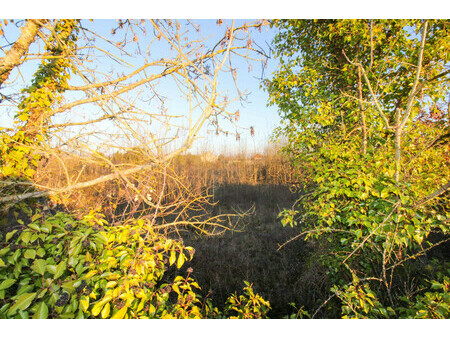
<point>62,267</point>
<point>247,306</point>
<point>370,137</point>
<point>432,304</point>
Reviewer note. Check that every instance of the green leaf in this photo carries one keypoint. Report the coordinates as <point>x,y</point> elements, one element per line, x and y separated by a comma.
<point>7,283</point>
<point>68,286</point>
<point>60,269</point>
<point>22,315</point>
<point>25,236</point>
<point>4,251</point>
<point>51,269</point>
<point>434,286</point>
<point>46,227</point>
<point>41,312</point>
<point>39,266</point>
<point>384,193</point>
<point>22,302</point>
<point>15,256</point>
<point>40,252</point>
<point>9,235</point>
<point>29,254</point>
<point>35,217</point>
<point>34,226</point>
<point>75,250</point>
<point>2,264</point>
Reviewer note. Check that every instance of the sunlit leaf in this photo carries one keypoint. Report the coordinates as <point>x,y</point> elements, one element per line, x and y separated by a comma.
<point>22,303</point>
<point>41,312</point>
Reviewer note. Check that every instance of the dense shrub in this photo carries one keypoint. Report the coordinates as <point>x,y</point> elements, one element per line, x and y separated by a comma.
<point>62,267</point>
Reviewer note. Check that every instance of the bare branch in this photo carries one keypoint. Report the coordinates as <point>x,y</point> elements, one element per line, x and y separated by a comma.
<point>434,194</point>
<point>375,100</point>
<point>412,94</point>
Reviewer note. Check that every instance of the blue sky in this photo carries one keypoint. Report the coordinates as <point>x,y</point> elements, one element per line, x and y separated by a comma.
<point>253,113</point>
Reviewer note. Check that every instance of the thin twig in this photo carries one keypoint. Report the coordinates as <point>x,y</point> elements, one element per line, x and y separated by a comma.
<point>396,205</point>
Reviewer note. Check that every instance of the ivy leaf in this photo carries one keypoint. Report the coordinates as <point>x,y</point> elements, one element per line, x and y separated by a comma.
<point>25,236</point>
<point>68,286</point>
<point>99,306</point>
<point>35,217</point>
<point>47,227</point>
<point>75,250</point>
<point>384,193</point>
<point>34,227</point>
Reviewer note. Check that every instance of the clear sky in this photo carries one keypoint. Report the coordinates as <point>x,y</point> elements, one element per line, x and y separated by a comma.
<point>253,113</point>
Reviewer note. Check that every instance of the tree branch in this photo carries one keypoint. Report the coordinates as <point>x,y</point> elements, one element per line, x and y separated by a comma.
<point>416,80</point>
<point>434,194</point>
<point>19,49</point>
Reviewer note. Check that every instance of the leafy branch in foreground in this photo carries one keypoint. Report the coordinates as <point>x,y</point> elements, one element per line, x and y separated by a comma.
<point>62,267</point>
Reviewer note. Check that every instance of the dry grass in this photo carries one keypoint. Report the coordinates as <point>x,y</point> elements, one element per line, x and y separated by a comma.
<point>254,191</point>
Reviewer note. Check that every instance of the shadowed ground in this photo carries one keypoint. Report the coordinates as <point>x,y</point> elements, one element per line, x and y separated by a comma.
<point>222,263</point>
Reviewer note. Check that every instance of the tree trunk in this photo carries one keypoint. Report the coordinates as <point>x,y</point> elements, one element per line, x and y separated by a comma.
<point>363,115</point>
<point>19,49</point>
<point>398,149</point>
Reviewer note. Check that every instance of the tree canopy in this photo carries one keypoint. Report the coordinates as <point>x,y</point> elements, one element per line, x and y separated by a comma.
<point>365,108</point>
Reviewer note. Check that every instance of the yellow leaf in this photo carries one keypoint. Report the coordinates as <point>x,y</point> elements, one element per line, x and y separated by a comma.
<point>105,311</point>
<point>84,303</point>
<point>90,274</point>
<point>121,313</point>
<point>172,257</point>
<point>111,284</point>
<point>151,310</point>
<point>141,305</point>
<point>180,261</point>
<point>96,309</point>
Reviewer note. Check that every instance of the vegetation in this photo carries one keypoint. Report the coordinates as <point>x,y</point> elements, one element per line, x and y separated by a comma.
<point>75,263</point>
<point>365,109</point>
<point>132,226</point>
<point>61,267</point>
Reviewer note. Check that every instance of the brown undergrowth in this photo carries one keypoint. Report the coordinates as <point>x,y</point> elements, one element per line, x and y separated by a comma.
<point>226,208</point>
